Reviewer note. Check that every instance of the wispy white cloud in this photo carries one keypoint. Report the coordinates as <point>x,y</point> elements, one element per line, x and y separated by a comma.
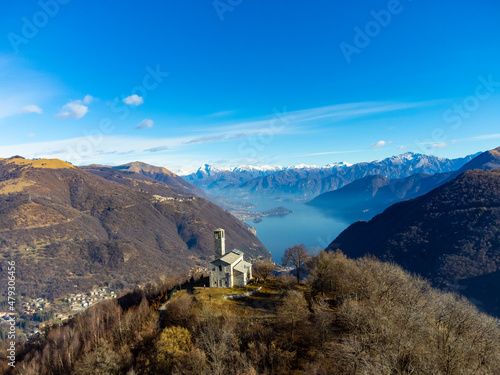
<point>145,124</point>
<point>483,137</point>
<point>332,152</point>
<point>308,120</point>
<point>220,114</point>
<point>278,122</point>
<point>75,109</point>
<point>433,146</point>
<point>211,138</point>
<point>134,99</point>
<point>380,143</point>
<point>13,104</point>
<point>157,149</point>
<point>88,99</point>
<point>341,112</point>
<point>478,138</point>
<point>91,149</point>
<point>32,109</point>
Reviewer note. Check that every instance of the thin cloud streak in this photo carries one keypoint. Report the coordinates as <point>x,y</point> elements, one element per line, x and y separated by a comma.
<point>288,121</point>
<point>337,112</point>
<point>484,137</point>
<point>80,149</point>
<point>437,145</point>
<point>32,108</point>
<point>333,152</point>
<point>220,114</point>
<point>481,137</point>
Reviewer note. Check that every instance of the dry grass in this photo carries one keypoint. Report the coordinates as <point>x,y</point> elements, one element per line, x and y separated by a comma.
<point>139,167</point>
<point>34,215</point>
<point>15,185</point>
<point>261,304</point>
<point>40,163</point>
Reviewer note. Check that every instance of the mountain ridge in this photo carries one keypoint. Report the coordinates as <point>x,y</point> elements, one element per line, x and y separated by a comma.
<point>306,183</point>
<point>372,194</point>
<point>449,235</point>
<point>70,227</point>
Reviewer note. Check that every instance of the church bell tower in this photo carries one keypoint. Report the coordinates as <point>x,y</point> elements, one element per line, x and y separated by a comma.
<point>220,243</point>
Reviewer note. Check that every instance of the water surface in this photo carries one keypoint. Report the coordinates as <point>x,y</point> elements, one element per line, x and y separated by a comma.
<point>308,225</point>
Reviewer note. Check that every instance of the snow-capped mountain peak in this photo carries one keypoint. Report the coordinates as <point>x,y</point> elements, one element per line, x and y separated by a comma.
<point>305,181</point>
<point>253,168</point>
<point>304,166</point>
<point>339,164</point>
<point>208,170</point>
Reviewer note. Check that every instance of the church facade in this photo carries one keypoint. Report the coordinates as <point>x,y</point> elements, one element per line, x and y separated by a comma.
<point>228,270</point>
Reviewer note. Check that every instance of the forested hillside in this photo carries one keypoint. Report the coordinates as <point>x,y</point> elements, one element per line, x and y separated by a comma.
<point>352,317</point>
<point>449,235</point>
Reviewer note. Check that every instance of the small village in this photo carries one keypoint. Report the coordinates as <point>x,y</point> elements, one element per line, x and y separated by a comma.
<point>159,198</point>
<point>39,313</point>
<point>80,302</point>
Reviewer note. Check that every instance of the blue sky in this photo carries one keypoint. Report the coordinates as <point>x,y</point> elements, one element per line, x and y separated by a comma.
<point>228,82</point>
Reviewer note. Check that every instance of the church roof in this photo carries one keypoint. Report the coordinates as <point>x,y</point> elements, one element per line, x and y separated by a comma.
<point>231,257</point>
<point>242,266</point>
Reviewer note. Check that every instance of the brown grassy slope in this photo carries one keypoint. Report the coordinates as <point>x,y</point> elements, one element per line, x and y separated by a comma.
<point>186,210</point>
<point>149,172</point>
<point>67,227</point>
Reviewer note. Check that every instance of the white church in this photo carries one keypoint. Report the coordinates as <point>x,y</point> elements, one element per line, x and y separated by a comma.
<point>228,270</point>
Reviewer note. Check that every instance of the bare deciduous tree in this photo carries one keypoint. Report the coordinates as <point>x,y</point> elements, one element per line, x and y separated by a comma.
<point>216,337</point>
<point>323,317</point>
<point>296,256</point>
<point>293,309</point>
<point>263,269</point>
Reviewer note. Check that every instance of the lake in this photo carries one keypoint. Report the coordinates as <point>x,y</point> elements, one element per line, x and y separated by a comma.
<point>308,225</point>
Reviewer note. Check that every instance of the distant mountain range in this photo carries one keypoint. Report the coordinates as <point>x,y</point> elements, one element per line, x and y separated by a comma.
<point>373,194</point>
<point>449,235</point>
<point>70,228</point>
<point>304,182</point>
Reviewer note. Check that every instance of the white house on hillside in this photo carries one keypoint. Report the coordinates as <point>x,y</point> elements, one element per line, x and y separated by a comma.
<point>228,270</point>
